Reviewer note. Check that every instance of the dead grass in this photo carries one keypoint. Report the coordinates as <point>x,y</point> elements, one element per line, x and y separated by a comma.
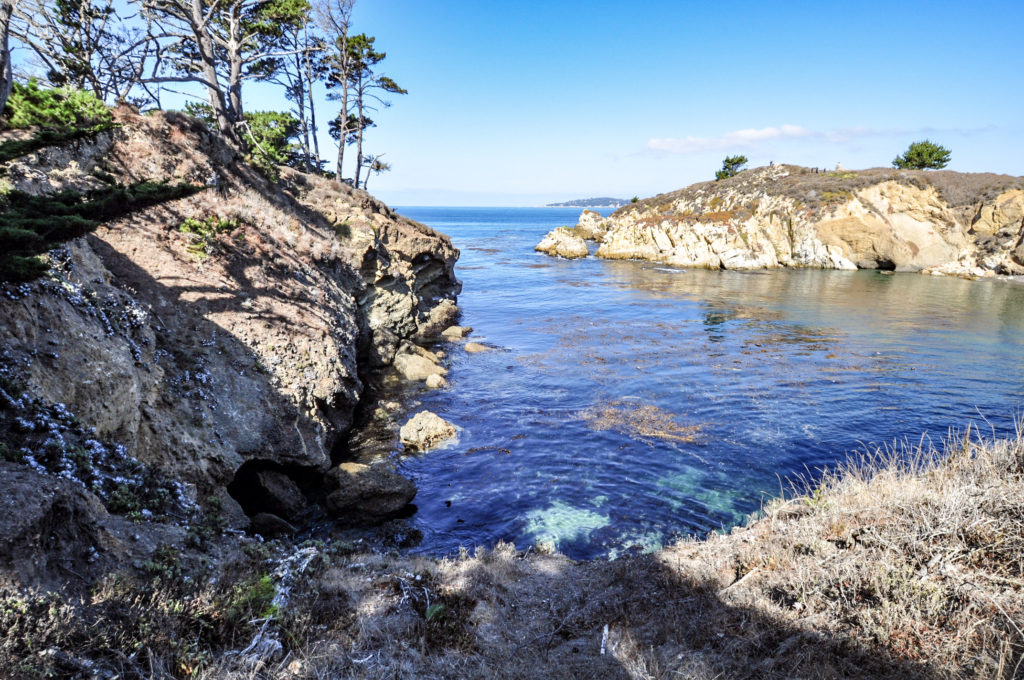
<point>817,189</point>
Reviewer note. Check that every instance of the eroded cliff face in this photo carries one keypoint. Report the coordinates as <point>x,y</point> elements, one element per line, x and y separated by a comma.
<point>241,351</point>
<point>787,216</point>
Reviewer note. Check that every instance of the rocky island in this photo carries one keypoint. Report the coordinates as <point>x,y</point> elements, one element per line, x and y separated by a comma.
<point>938,222</point>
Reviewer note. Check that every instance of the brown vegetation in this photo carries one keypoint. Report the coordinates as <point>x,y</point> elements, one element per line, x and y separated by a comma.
<point>814,189</point>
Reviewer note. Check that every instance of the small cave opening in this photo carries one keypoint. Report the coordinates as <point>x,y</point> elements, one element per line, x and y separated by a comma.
<point>291,492</point>
<point>885,265</point>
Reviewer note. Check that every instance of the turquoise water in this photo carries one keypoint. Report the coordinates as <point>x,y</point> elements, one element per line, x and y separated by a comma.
<point>628,403</point>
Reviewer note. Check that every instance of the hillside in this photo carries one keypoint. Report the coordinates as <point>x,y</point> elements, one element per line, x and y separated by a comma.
<point>205,355</point>
<point>787,216</point>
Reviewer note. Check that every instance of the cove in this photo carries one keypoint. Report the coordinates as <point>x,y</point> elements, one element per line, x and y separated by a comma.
<point>629,403</point>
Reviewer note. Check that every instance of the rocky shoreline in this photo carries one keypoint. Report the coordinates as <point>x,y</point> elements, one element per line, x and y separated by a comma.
<point>942,223</point>
<point>221,369</point>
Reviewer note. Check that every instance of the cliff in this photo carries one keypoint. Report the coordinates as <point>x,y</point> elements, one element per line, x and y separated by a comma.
<point>788,216</point>
<point>211,348</point>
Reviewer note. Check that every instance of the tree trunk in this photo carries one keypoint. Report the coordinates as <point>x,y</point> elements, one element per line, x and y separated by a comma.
<point>344,130</point>
<point>6,71</point>
<point>359,135</point>
<point>308,63</point>
<point>207,56</point>
<point>234,57</point>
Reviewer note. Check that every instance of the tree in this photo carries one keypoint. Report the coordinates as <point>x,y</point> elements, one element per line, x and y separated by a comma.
<point>730,166</point>
<point>365,86</point>
<point>299,72</point>
<point>334,18</point>
<point>923,156</point>
<point>220,45</point>
<point>6,70</point>
<point>375,165</point>
<point>83,45</point>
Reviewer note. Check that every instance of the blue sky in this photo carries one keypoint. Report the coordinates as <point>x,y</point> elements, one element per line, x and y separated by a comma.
<point>524,103</point>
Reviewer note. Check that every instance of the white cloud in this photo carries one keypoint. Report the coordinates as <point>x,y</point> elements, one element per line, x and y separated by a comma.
<point>737,138</point>
<point>753,136</point>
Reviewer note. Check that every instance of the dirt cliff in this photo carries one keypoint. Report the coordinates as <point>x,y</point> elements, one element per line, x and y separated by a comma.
<point>220,340</point>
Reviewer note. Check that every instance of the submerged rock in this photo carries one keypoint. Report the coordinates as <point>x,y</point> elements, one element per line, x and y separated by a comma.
<point>425,430</point>
<point>562,242</point>
<point>368,492</point>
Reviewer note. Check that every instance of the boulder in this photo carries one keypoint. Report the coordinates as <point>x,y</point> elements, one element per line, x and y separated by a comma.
<point>437,319</point>
<point>562,242</point>
<point>278,494</point>
<point>48,527</point>
<point>417,368</point>
<point>436,382</point>
<point>456,332</point>
<point>476,347</point>
<point>368,492</point>
<point>425,430</point>
<point>407,347</point>
<point>592,226</point>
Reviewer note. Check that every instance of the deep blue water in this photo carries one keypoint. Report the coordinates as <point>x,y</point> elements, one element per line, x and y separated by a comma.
<point>575,431</point>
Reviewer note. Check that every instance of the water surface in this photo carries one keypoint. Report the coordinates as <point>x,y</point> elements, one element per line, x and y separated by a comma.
<point>628,402</point>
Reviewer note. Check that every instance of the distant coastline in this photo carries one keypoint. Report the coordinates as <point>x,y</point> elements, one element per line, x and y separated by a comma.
<point>601,202</point>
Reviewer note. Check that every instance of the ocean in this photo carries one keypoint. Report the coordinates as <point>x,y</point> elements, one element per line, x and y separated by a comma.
<point>627,403</point>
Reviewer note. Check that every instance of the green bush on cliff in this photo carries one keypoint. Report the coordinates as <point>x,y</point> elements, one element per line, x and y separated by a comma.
<point>30,105</point>
<point>32,225</point>
<point>61,115</point>
<point>923,156</point>
<point>731,166</point>
<point>269,136</point>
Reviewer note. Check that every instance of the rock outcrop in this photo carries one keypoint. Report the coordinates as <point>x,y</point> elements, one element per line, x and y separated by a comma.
<point>787,216</point>
<point>592,226</point>
<point>562,242</point>
<point>368,492</point>
<point>426,430</point>
<point>229,358</point>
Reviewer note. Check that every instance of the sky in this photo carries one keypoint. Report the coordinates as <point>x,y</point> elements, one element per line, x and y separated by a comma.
<point>532,102</point>
<point>525,103</point>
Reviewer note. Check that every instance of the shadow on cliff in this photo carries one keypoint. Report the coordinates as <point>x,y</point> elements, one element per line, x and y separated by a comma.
<point>238,420</point>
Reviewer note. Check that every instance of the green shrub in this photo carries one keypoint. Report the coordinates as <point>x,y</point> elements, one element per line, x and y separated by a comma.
<point>251,599</point>
<point>204,232</point>
<point>30,105</point>
<point>731,166</point>
<point>268,136</point>
<point>923,155</point>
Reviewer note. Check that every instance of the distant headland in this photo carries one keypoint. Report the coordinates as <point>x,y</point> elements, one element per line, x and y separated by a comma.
<point>602,202</point>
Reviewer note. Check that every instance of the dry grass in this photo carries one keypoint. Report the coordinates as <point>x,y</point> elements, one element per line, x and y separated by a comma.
<point>908,563</point>
<point>816,189</point>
